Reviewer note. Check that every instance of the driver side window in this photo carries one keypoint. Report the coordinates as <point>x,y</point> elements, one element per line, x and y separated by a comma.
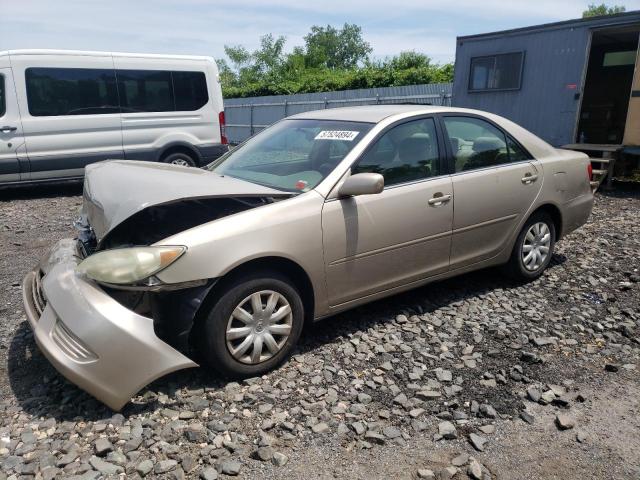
<point>406,153</point>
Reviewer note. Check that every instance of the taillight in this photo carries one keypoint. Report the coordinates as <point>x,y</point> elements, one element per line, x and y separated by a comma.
<point>590,171</point>
<point>223,130</point>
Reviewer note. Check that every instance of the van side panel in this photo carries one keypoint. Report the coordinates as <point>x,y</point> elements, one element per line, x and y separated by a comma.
<point>147,135</point>
<point>61,146</point>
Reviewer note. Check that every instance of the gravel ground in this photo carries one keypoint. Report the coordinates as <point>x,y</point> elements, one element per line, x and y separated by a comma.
<point>472,377</point>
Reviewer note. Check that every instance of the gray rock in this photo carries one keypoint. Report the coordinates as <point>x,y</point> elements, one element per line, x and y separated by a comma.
<point>477,441</point>
<point>488,411</point>
<point>460,460</point>
<point>358,427</point>
<point>102,446</point>
<point>426,474</point>
<point>264,453</point>
<point>144,467</point>
<point>230,467</point>
<point>374,437</point>
<point>104,467</point>
<point>280,459</point>
<point>565,422</point>
<point>165,466</point>
<point>320,428</point>
<point>527,417</point>
<point>209,473</point>
<point>447,430</point>
<point>474,470</point>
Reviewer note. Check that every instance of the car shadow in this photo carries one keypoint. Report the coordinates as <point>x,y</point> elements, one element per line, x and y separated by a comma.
<point>42,392</point>
<point>67,188</point>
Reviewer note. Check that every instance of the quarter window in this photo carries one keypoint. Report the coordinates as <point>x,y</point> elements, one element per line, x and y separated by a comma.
<point>190,90</point>
<point>496,72</point>
<point>406,153</point>
<point>476,143</point>
<point>3,103</point>
<point>71,91</point>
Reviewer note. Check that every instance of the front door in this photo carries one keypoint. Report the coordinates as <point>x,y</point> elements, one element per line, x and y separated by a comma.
<point>11,139</point>
<point>495,182</point>
<point>377,242</point>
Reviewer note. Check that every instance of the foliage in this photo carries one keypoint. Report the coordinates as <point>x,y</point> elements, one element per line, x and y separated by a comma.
<point>594,10</point>
<point>331,59</point>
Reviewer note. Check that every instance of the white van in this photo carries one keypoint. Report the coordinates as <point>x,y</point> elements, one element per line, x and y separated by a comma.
<point>61,110</point>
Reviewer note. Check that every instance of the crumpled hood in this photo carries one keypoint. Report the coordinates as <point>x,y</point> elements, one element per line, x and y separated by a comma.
<point>116,189</point>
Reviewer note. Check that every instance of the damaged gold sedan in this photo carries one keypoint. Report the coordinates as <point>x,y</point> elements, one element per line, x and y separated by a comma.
<point>175,266</point>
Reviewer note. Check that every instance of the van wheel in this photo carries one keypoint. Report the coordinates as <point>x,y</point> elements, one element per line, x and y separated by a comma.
<point>533,249</point>
<point>252,326</point>
<point>180,158</point>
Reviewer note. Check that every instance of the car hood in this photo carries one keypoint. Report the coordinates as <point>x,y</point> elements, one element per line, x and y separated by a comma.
<point>117,189</point>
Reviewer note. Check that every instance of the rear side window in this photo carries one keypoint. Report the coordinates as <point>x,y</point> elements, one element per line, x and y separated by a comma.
<point>476,143</point>
<point>190,90</point>
<point>145,91</point>
<point>71,91</point>
<point>161,91</point>
<point>3,104</point>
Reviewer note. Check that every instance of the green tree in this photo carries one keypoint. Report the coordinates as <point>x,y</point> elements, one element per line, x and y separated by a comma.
<point>594,10</point>
<point>336,48</point>
<point>331,59</point>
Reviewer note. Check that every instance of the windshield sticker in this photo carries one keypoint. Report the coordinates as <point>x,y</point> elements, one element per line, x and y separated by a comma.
<point>301,184</point>
<point>346,135</point>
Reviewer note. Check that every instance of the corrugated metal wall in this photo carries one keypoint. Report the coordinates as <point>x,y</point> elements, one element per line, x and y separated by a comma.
<point>555,58</point>
<point>246,116</point>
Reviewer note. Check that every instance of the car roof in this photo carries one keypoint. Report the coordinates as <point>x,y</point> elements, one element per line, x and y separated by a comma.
<point>365,113</point>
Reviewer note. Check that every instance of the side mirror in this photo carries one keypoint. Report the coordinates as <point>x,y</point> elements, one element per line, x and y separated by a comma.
<point>362,184</point>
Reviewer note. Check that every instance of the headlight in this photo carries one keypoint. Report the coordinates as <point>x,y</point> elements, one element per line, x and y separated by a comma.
<point>123,266</point>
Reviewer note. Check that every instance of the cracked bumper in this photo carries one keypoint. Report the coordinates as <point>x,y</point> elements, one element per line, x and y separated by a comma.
<point>95,342</point>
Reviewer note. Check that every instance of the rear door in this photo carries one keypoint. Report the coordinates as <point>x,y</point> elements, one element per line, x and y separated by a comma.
<point>11,138</point>
<point>70,112</point>
<point>495,182</point>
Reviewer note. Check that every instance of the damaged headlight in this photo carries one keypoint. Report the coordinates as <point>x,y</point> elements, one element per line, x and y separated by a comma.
<point>125,266</point>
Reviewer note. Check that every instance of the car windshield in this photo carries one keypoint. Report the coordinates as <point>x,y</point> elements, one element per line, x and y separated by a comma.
<point>292,155</point>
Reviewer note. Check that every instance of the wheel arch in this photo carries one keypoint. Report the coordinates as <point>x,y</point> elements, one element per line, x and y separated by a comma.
<point>556,215</point>
<point>179,147</point>
<point>292,270</point>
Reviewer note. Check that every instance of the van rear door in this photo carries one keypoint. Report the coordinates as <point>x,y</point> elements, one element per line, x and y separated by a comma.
<point>11,138</point>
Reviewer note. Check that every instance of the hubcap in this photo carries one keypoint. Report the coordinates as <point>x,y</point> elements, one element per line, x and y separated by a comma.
<point>180,161</point>
<point>259,327</point>
<point>536,245</point>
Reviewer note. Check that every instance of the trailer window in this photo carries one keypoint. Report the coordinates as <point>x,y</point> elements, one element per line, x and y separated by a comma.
<point>71,91</point>
<point>3,106</point>
<point>496,72</point>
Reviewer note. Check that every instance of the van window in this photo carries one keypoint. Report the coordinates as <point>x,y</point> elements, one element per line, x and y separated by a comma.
<point>190,90</point>
<point>71,91</point>
<point>145,91</point>
<point>3,106</point>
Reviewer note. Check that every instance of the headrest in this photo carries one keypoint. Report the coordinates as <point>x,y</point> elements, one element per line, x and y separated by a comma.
<point>415,147</point>
<point>485,144</point>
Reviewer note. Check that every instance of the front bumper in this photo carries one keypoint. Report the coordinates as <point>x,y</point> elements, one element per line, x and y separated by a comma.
<point>95,342</point>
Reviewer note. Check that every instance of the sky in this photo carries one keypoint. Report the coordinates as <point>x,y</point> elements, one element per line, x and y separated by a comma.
<point>200,27</point>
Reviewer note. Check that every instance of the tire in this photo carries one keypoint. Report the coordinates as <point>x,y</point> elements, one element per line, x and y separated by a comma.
<point>180,158</point>
<point>527,271</point>
<point>215,348</point>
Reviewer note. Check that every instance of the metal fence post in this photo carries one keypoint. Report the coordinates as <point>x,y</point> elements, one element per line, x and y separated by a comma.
<point>377,99</point>
<point>251,119</point>
<point>285,108</point>
<point>326,102</point>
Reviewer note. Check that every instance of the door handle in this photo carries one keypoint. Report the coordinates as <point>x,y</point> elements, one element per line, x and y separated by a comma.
<point>529,178</point>
<point>7,129</point>
<point>439,199</point>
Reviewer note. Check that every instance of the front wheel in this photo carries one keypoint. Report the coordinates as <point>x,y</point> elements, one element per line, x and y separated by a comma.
<point>253,326</point>
<point>533,249</point>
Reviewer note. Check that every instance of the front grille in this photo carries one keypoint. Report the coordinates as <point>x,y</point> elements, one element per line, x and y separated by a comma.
<point>71,345</point>
<point>39,301</point>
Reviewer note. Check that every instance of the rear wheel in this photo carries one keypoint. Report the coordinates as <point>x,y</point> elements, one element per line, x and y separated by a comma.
<point>180,158</point>
<point>533,249</point>
<point>253,326</point>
